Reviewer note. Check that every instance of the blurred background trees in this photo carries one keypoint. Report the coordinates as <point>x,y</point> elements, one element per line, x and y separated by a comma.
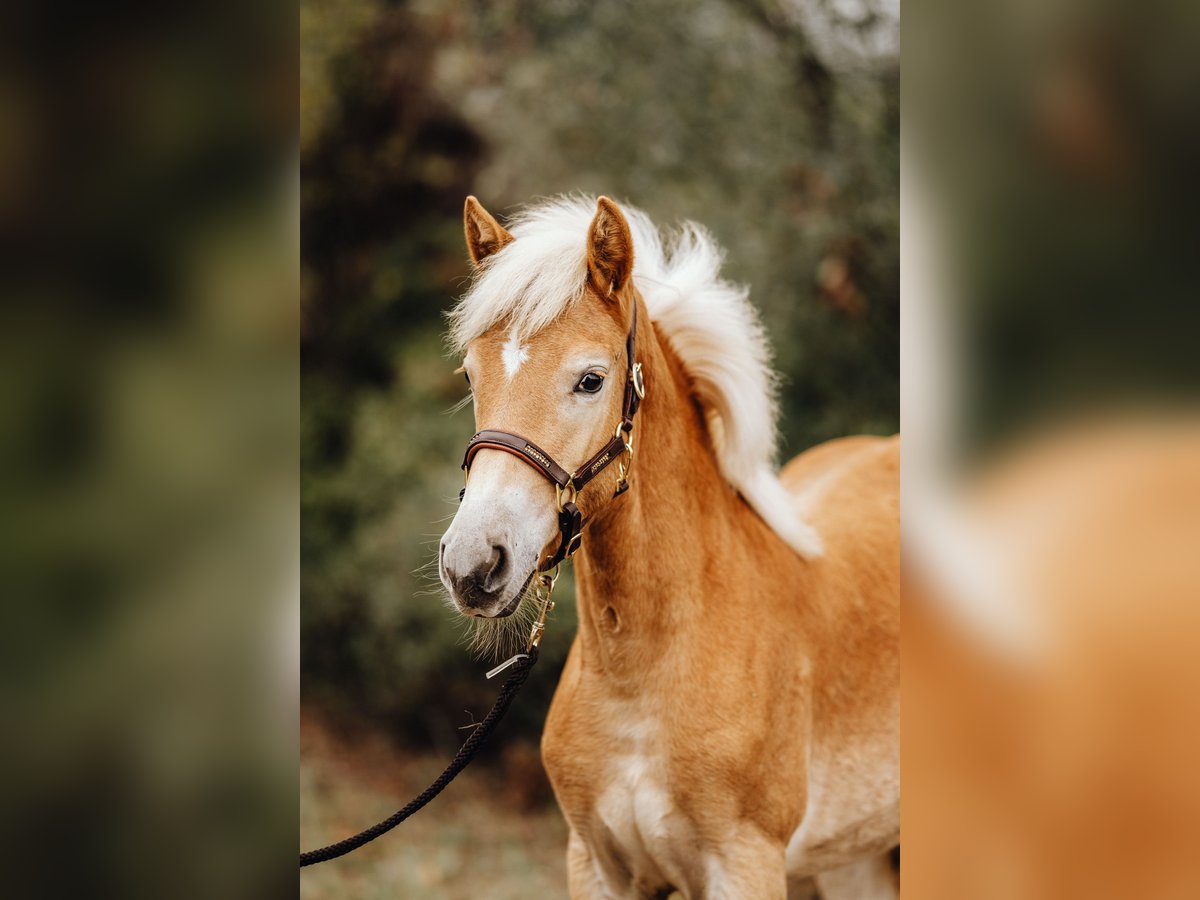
<point>776,125</point>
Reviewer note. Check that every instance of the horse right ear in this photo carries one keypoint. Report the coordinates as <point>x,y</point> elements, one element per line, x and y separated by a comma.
<point>484,234</point>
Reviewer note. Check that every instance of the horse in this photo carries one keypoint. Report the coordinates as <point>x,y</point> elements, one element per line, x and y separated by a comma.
<point>726,724</point>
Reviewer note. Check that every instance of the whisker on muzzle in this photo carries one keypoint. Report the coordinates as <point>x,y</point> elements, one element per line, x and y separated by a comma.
<point>499,638</point>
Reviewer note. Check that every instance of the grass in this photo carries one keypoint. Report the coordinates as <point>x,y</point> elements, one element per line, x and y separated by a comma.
<point>495,832</point>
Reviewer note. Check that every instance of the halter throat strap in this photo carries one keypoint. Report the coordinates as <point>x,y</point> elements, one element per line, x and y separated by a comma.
<point>568,484</point>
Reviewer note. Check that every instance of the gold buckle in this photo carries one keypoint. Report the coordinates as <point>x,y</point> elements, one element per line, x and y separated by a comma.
<point>574,544</point>
<point>627,436</point>
<point>564,494</point>
<point>545,587</point>
<point>639,382</point>
<point>623,466</point>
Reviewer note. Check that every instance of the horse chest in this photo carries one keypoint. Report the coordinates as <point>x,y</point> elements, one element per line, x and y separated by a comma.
<point>635,832</point>
<point>638,813</point>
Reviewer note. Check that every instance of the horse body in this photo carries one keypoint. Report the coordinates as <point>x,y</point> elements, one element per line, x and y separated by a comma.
<point>728,714</point>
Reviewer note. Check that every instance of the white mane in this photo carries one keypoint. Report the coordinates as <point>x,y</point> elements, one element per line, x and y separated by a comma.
<point>709,323</point>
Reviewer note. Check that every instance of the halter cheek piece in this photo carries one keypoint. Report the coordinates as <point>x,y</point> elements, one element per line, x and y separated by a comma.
<point>568,485</point>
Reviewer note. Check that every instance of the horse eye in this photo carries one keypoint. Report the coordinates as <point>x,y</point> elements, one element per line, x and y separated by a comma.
<point>590,383</point>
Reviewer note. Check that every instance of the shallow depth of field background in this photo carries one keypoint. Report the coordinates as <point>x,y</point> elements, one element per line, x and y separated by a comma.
<point>776,125</point>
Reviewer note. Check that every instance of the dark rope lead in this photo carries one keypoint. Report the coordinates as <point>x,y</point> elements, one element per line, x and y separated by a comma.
<point>464,756</point>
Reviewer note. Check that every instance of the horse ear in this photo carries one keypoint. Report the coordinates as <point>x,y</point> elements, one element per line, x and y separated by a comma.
<point>610,248</point>
<point>484,234</point>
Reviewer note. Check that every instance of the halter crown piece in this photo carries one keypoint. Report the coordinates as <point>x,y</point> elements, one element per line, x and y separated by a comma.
<point>568,485</point>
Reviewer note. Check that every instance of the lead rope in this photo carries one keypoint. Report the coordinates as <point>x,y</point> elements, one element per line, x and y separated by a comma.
<point>523,663</point>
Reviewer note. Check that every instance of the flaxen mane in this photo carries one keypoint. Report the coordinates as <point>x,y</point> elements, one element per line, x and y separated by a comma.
<point>709,323</point>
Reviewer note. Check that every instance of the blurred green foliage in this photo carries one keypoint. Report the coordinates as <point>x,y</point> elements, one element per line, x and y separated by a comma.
<point>148,422</point>
<point>717,111</point>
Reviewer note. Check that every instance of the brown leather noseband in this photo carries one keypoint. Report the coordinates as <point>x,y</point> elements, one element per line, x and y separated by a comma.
<point>568,485</point>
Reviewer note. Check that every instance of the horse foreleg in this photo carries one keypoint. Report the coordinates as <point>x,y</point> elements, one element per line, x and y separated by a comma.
<point>864,879</point>
<point>583,876</point>
<point>748,867</point>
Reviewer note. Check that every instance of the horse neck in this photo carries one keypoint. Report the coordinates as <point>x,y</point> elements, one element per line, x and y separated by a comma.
<point>641,573</point>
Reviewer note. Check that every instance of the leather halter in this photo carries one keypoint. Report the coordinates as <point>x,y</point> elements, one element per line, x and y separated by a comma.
<point>568,485</point>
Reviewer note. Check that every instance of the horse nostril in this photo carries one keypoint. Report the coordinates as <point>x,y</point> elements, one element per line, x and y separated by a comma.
<point>480,580</point>
<point>498,561</point>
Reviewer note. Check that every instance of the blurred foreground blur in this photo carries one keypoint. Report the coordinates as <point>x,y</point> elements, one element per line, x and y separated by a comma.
<point>1051,713</point>
<point>148,404</point>
<point>1051,707</point>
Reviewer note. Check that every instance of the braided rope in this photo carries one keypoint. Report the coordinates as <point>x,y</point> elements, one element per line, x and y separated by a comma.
<point>464,756</point>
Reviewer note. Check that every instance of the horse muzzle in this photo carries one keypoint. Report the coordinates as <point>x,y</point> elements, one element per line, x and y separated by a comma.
<point>480,578</point>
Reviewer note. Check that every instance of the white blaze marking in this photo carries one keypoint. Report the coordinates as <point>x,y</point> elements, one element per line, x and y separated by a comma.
<point>513,354</point>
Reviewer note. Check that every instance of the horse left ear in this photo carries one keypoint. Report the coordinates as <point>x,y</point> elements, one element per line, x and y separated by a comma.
<point>484,234</point>
<point>610,248</point>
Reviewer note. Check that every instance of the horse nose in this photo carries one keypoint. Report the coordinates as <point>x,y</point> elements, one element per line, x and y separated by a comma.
<point>476,577</point>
